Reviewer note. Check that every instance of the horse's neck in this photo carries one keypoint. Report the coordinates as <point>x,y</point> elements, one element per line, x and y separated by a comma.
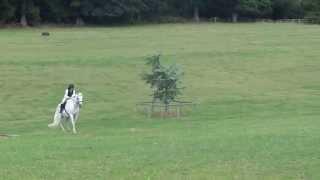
<point>72,106</point>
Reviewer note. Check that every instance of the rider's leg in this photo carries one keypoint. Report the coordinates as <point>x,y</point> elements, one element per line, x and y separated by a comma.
<point>62,106</point>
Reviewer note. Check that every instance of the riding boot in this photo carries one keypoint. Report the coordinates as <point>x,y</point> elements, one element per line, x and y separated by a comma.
<point>62,106</point>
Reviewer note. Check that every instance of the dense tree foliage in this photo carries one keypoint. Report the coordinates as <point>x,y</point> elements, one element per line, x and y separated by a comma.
<point>31,12</point>
<point>254,8</point>
<point>287,9</point>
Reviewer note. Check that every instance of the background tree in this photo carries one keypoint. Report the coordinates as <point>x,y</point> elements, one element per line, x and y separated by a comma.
<point>312,9</point>
<point>30,12</point>
<point>287,9</point>
<point>163,80</point>
<point>53,11</point>
<point>254,8</point>
<point>7,11</point>
<point>226,9</point>
<point>76,9</point>
<point>196,6</point>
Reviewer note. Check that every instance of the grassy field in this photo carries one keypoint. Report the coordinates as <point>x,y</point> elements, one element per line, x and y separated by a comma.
<point>257,86</point>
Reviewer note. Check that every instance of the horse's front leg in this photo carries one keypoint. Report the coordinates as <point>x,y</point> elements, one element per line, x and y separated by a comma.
<point>73,124</point>
<point>76,117</point>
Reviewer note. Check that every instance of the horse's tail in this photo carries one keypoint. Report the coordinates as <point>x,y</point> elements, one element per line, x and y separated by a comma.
<point>56,120</point>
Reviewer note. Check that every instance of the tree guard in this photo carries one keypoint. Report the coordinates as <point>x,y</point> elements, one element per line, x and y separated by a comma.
<point>158,109</point>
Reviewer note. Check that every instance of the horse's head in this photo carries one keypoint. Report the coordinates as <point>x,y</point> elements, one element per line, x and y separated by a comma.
<point>79,97</point>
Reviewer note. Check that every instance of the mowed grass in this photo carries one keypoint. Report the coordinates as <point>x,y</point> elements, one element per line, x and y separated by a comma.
<point>257,86</point>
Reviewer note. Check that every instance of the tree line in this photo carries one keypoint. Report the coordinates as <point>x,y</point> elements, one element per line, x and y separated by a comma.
<point>33,12</point>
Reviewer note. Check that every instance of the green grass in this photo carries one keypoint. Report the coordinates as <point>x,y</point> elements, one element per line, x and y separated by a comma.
<point>257,86</point>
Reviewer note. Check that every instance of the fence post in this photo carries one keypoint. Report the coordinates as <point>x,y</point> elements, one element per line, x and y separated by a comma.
<point>178,111</point>
<point>161,111</point>
<point>150,112</point>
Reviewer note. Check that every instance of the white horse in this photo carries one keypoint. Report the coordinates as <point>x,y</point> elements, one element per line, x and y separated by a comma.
<point>71,112</point>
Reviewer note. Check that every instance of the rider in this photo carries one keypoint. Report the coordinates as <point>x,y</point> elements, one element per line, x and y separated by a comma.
<point>69,93</point>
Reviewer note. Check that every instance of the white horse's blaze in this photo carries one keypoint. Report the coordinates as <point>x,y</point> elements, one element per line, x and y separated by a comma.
<point>72,111</point>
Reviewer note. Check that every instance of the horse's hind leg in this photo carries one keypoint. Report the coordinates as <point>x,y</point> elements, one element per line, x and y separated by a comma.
<point>73,124</point>
<point>68,126</point>
<point>63,129</point>
<point>56,121</point>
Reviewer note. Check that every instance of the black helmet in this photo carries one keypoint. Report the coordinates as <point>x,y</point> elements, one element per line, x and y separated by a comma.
<point>71,86</point>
